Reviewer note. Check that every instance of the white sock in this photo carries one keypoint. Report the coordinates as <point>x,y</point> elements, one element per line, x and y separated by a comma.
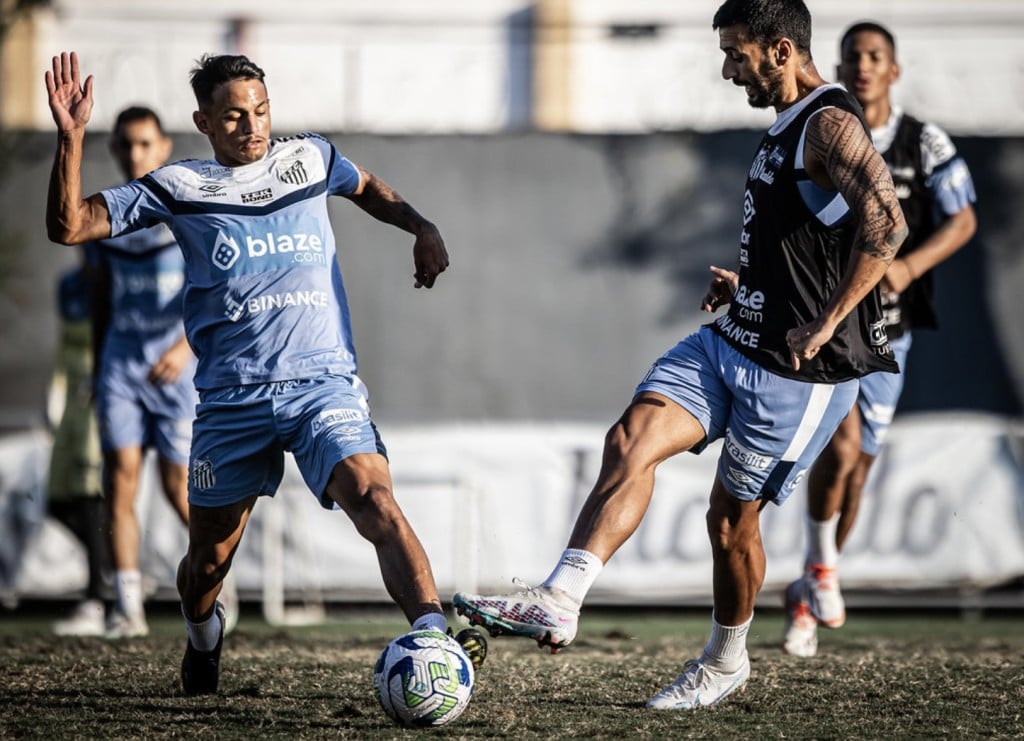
<point>575,573</point>
<point>431,621</point>
<point>128,590</point>
<point>821,542</point>
<point>203,636</point>
<point>727,646</point>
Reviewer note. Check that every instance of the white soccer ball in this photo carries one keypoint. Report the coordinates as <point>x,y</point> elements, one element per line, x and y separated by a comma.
<point>423,678</point>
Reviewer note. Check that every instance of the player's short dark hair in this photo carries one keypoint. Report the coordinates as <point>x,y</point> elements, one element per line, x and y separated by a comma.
<point>868,27</point>
<point>213,70</point>
<point>768,21</point>
<point>137,113</point>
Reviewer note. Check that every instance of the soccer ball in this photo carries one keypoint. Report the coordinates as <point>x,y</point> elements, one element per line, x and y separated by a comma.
<point>423,678</point>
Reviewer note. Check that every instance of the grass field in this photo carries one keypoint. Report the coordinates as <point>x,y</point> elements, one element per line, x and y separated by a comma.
<point>888,675</point>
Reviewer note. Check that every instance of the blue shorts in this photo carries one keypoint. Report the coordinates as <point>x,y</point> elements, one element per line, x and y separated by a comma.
<point>877,399</point>
<point>774,427</point>
<point>241,434</point>
<point>132,411</point>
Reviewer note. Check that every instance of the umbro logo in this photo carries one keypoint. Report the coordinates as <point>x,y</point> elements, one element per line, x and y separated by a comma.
<point>213,190</point>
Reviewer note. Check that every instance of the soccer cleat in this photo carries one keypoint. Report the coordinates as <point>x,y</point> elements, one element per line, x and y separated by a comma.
<point>801,636</point>
<point>823,596</point>
<point>541,613</point>
<point>86,619</point>
<point>700,686</point>
<point>474,644</point>
<point>124,625</point>
<point>201,669</point>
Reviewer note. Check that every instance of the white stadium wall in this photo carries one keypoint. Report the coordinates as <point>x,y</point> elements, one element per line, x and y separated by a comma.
<point>944,510</point>
<point>483,66</point>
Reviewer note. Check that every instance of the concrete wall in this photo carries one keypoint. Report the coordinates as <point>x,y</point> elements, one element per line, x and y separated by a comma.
<point>485,66</point>
<point>576,261</point>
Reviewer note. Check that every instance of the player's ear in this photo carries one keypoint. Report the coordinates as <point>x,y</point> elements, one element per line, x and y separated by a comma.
<point>199,119</point>
<point>782,50</point>
<point>894,74</point>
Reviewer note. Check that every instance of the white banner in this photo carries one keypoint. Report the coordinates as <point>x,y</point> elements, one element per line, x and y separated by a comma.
<point>944,508</point>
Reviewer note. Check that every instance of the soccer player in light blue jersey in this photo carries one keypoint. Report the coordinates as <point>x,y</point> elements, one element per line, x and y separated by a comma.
<point>144,392</point>
<point>266,314</point>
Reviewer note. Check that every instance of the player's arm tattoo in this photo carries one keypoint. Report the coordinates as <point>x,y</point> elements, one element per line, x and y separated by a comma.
<point>383,203</point>
<point>837,140</point>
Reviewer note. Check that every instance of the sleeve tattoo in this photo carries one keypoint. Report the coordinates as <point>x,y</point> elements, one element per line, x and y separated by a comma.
<point>837,139</point>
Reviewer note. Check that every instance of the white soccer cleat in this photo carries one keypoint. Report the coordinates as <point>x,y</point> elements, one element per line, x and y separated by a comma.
<point>700,686</point>
<point>801,636</point>
<point>87,619</point>
<point>122,625</point>
<point>544,614</point>
<point>823,595</point>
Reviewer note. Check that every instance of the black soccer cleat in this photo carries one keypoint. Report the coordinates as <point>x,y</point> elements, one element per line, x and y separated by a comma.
<point>474,644</point>
<point>201,669</point>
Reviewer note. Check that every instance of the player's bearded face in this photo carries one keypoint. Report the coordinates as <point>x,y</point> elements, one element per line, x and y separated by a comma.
<point>765,89</point>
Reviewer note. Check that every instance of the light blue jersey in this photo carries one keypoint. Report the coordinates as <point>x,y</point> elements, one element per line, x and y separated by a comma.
<point>264,299</point>
<point>147,281</point>
<point>147,276</point>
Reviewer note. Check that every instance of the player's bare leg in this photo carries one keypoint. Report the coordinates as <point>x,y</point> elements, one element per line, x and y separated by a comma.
<point>361,486</point>
<point>651,430</point>
<point>122,471</point>
<point>831,508</point>
<point>174,479</point>
<point>214,534</point>
<point>739,567</point>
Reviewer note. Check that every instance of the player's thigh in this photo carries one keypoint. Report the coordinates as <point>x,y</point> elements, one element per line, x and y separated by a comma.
<point>777,428</point>
<point>325,422</point>
<point>879,395</point>
<point>690,375</point>
<point>652,429</point>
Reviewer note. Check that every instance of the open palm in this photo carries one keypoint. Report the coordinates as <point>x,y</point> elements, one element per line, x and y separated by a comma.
<point>70,101</point>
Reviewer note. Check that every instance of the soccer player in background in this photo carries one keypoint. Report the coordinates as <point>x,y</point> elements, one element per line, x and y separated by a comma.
<point>74,485</point>
<point>267,315</point>
<point>773,377</point>
<point>144,389</point>
<point>936,192</point>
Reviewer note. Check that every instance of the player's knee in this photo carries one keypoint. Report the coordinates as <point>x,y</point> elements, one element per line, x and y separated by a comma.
<point>375,513</point>
<point>619,449</point>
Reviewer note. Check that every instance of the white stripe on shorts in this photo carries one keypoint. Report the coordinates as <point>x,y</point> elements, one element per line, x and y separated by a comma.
<point>821,394</point>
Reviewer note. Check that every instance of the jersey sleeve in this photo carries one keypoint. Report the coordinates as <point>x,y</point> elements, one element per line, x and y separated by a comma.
<point>342,174</point>
<point>946,174</point>
<point>132,206</point>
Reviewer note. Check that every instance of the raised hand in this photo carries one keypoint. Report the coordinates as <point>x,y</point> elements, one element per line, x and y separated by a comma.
<point>70,101</point>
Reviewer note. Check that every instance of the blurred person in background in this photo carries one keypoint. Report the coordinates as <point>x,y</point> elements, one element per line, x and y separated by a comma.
<point>267,314</point>
<point>936,195</point>
<point>773,377</point>
<point>74,485</point>
<point>145,392</point>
